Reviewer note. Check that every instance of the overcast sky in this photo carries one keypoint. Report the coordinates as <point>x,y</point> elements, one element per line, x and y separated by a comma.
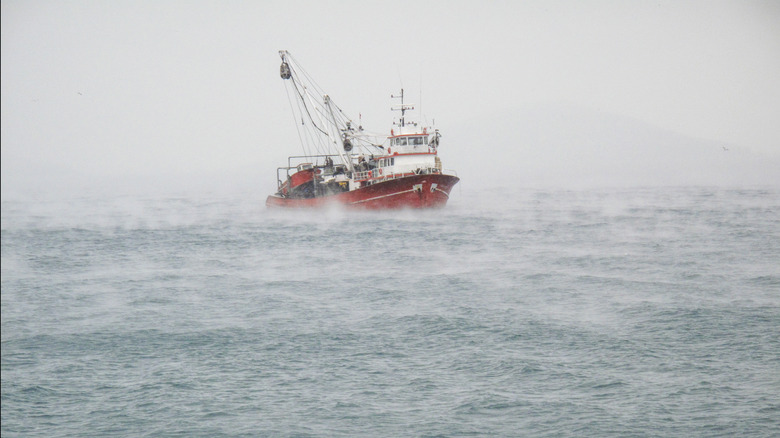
<point>94,91</point>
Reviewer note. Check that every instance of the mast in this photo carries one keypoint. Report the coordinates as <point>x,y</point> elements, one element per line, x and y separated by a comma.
<point>403,108</point>
<point>327,122</point>
<point>325,125</point>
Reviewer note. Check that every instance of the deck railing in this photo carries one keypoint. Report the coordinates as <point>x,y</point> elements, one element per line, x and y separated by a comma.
<point>381,174</point>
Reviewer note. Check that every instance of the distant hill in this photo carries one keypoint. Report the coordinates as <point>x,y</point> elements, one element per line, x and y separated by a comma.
<point>574,147</point>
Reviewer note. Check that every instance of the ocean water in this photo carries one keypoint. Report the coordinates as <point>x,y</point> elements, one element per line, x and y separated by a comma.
<point>634,312</point>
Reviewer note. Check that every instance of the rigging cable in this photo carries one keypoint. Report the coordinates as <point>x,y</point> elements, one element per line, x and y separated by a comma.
<point>300,95</point>
<point>295,116</point>
<point>314,141</point>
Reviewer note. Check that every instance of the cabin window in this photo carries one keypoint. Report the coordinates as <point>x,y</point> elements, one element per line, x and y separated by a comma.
<point>402,141</point>
<point>415,141</point>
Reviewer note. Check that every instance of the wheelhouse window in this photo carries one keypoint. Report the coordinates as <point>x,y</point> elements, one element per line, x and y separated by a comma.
<point>411,141</point>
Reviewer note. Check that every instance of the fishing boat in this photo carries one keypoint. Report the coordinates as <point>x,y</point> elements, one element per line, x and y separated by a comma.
<point>346,165</point>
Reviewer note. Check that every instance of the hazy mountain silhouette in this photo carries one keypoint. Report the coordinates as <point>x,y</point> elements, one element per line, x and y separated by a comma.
<point>564,146</point>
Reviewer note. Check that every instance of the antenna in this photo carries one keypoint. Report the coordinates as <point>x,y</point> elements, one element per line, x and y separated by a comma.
<point>420,101</point>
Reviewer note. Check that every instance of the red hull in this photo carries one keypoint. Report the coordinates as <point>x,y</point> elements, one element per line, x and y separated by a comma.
<point>417,191</point>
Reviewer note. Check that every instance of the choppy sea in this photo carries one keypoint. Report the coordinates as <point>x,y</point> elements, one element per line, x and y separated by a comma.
<point>633,312</point>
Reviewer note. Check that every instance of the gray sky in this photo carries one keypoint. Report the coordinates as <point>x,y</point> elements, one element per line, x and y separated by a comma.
<point>100,91</point>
